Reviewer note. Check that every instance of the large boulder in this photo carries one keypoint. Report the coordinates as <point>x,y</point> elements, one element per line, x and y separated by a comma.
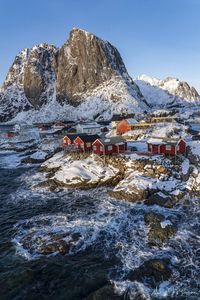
<point>152,272</point>
<point>160,229</point>
<point>161,199</point>
<point>107,292</point>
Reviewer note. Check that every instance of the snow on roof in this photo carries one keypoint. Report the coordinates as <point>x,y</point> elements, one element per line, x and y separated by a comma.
<point>195,126</point>
<point>132,121</point>
<point>117,140</point>
<point>155,141</point>
<point>89,125</point>
<point>163,140</point>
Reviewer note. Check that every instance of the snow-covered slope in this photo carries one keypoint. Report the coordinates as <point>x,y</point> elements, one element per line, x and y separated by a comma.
<point>168,92</point>
<point>85,76</point>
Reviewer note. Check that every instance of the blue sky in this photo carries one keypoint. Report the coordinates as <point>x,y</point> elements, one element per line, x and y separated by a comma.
<point>155,37</point>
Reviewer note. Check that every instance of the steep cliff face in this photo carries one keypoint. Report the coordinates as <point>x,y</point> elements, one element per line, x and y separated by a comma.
<point>40,75</point>
<point>12,98</point>
<point>30,82</point>
<point>85,62</point>
<point>170,91</point>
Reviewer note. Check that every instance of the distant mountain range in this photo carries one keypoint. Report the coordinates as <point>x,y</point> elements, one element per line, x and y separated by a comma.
<point>168,92</point>
<point>85,78</point>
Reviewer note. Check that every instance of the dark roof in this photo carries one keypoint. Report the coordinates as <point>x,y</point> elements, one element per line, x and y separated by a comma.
<point>72,129</point>
<point>118,117</point>
<point>68,122</point>
<point>88,138</point>
<point>104,123</point>
<point>112,140</point>
<point>72,137</point>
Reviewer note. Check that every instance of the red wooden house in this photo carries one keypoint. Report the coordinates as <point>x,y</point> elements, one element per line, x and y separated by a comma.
<point>108,146</point>
<point>69,139</point>
<point>167,146</point>
<point>125,125</point>
<point>84,141</point>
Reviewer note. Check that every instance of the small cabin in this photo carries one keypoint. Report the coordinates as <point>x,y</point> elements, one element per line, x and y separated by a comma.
<point>166,146</point>
<point>84,142</point>
<point>10,134</point>
<point>125,125</point>
<point>58,125</point>
<point>116,118</point>
<point>88,128</point>
<point>109,146</point>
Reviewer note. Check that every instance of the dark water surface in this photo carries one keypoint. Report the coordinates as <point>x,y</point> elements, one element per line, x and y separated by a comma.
<point>60,277</point>
<point>114,242</point>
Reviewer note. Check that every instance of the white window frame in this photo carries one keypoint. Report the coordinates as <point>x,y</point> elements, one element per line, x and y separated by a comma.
<point>88,145</point>
<point>101,148</point>
<point>94,148</point>
<point>168,147</point>
<point>110,147</point>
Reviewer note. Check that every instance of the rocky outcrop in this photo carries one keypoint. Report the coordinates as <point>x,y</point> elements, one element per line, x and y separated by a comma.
<point>152,272</point>
<point>60,243</point>
<point>40,75</point>
<point>161,199</point>
<point>139,180</point>
<point>107,292</point>
<point>170,91</point>
<point>160,229</point>
<point>79,170</point>
<point>179,88</point>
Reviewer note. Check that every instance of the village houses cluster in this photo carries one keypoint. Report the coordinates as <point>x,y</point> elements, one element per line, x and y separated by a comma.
<point>121,134</point>
<point>110,137</point>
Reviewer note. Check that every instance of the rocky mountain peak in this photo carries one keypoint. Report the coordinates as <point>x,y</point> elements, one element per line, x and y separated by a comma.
<point>85,61</point>
<point>175,88</point>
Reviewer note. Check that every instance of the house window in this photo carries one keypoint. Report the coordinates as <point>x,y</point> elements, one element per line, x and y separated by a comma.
<point>109,148</point>
<point>88,145</point>
<point>94,148</point>
<point>82,145</point>
<point>101,148</point>
<point>168,147</point>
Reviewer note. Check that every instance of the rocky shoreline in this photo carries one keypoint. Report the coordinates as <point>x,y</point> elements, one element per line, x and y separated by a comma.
<point>156,180</point>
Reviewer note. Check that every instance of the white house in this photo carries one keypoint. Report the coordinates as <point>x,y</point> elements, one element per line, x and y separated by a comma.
<point>88,128</point>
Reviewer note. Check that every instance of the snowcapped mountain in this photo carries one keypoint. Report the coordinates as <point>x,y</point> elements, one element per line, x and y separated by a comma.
<point>86,76</point>
<point>168,92</point>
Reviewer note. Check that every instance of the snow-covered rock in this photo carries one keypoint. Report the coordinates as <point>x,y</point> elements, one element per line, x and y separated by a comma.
<point>83,173</point>
<point>168,92</point>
